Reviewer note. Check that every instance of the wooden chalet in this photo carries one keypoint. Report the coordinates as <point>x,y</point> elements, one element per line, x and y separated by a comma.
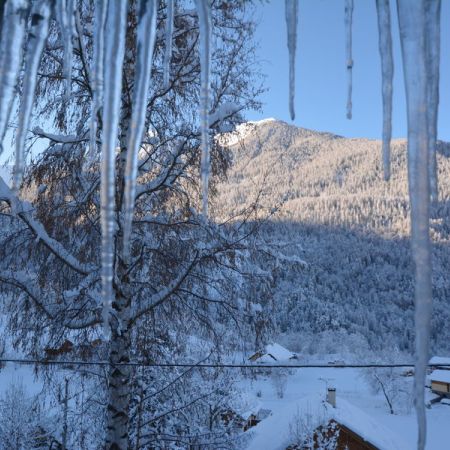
<point>440,382</point>
<point>343,437</point>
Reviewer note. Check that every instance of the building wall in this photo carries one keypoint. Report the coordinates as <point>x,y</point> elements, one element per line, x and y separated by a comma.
<point>438,386</point>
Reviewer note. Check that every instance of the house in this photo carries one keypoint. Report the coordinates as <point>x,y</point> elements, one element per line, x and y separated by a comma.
<point>440,382</point>
<point>341,424</point>
<point>273,353</point>
<point>342,437</point>
<point>439,362</point>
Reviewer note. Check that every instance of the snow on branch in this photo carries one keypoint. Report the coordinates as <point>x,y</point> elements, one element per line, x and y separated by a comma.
<point>24,211</point>
<point>161,296</point>
<point>165,179</point>
<point>58,138</point>
<point>23,281</point>
<point>223,112</point>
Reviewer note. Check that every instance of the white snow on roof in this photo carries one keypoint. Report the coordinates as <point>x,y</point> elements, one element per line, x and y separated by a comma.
<point>365,426</point>
<point>438,360</point>
<point>440,375</point>
<point>273,433</point>
<point>279,352</point>
<point>266,359</point>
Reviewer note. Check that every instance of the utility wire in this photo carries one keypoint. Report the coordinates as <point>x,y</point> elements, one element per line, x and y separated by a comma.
<point>45,362</point>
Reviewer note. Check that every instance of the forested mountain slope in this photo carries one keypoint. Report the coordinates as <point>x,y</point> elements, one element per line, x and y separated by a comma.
<point>349,225</point>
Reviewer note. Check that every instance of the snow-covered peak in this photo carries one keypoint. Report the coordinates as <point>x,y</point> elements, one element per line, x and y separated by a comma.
<point>263,121</point>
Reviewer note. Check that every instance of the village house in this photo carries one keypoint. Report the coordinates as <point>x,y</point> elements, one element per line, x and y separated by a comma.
<point>343,438</point>
<point>334,421</point>
<point>439,362</point>
<point>440,382</point>
<point>273,353</point>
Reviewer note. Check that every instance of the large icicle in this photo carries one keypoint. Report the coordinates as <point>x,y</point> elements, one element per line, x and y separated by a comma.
<point>348,53</point>
<point>116,22</point>
<point>433,30</point>
<point>168,43</point>
<point>204,19</point>
<point>2,11</point>
<point>40,19</point>
<point>146,33</point>
<point>291,11</point>
<point>101,7</point>
<point>13,32</point>
<point>387,76</point>
<point>65,10</point>
<point>411,17</point>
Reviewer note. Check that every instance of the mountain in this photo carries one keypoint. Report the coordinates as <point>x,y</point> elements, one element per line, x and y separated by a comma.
<point>351,227</point>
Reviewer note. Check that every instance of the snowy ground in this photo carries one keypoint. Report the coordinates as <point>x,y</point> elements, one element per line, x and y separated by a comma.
<point>305,391</point>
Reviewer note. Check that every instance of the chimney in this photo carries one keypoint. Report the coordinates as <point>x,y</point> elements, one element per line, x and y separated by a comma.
<point>331,397</point>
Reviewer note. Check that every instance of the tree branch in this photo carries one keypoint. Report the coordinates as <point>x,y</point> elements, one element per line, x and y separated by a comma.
<point>24,212</point>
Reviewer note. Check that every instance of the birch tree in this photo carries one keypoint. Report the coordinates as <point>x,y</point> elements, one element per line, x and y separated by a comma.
<point>176,273</point>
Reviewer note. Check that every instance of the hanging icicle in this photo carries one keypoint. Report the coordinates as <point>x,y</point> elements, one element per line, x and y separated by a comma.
<point>2,12</point>
<point>146,34</point>
<point>116,22</point>
<point>387,76</point>
<point>291,11</point>
<point>348,53</point>
<point>411,17</point>
<point>204,19</point>
<point>40,19</point>
<point>101,7</point>
<point>65,10</point>
<point>12,37</point>
<point>168,43</point>
<point>433,31</point>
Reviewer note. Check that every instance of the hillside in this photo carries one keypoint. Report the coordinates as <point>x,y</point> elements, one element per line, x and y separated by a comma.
<point>350,226</point>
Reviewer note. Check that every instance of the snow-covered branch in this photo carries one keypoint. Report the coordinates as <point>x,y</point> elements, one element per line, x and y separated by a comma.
<point>165,179</point>
<point>25,212</point>
<point>23,281</point>
<point>59,138</point>
<point>161,296</point>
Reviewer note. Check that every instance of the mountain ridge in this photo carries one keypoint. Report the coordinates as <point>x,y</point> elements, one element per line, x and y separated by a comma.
<point>353,228</point>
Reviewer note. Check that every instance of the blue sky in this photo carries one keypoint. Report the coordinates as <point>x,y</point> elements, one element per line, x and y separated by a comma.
<point>321,73</point>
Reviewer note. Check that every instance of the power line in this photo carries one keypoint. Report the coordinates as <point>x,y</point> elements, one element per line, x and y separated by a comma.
<point>46,362</point>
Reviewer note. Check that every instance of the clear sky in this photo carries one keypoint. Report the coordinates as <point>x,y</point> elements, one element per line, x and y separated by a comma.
<point>321,81</point>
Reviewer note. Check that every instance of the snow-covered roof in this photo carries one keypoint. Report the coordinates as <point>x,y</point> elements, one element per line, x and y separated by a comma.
<point>275,352</point>
<point>273,433</point>
<point>365,426</point>
<point>440,375</point>
<point>440,360</point>
<point>279,352</point>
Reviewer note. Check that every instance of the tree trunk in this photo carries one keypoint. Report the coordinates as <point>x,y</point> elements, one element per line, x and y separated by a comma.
<point>117,437</point>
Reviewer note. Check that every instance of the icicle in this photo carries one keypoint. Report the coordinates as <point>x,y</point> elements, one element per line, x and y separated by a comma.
<point>348,51</point>
<point>101,7</point>
<point>291,11</point>
<point>204,18</point>
<point>114,54</point>
<point>66,21</point>
<point>387,75</point>
<point>13,32</point>
<point>411,17</point>
<point>146,33</point>
<point>168,43</point>
<point>2,12</point>
<point>433,30</point>
<point>40,19</point>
